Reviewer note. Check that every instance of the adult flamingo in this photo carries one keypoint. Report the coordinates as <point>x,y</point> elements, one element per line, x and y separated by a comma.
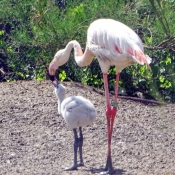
<point>113,43</point>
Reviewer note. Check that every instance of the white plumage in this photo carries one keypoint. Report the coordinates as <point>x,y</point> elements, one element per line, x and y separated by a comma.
<point>114,43</point>
<point>77,112</point>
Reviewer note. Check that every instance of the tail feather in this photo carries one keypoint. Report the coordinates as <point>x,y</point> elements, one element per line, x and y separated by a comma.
<point>149,59</point>
<point>139,56</point>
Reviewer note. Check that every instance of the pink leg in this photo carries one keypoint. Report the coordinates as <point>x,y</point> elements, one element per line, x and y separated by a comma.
<point>114,108</point>
<point>109,166</point>
<point>110,115</point>
<point>108,107</point>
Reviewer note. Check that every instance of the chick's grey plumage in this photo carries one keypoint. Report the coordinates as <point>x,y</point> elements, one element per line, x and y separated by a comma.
<point>77,112</point>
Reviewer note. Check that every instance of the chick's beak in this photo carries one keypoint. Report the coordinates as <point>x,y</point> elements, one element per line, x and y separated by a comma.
<point>55,82</point>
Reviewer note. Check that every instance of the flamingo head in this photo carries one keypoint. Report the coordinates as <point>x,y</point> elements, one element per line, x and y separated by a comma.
<point>53,67</point>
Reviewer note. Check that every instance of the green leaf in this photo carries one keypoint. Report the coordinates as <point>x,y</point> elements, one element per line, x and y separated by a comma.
<point>162,79</point>
<point>9,49</point>
<point>62,75</point>
<point>1,32</point>
<point>168,61</point>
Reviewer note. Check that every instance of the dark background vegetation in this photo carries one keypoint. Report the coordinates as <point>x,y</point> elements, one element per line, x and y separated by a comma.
<point>31,31</point>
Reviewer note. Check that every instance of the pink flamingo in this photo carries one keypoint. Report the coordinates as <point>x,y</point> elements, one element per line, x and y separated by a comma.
<point>113,43</point>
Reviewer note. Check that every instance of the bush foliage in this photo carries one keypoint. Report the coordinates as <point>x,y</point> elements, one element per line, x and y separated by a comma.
<point>32,31</point>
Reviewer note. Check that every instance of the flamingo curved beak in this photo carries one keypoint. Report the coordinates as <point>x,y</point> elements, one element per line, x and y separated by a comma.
<point>54,80</point>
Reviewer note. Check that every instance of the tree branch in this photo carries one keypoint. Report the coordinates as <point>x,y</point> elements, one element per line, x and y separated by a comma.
<point>159,15</point>
<point>166,44</point>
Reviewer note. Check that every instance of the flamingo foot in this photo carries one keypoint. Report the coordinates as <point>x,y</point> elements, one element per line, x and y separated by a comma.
<point>81,164</point>
<point>73,167</point>
<point>108,168</point>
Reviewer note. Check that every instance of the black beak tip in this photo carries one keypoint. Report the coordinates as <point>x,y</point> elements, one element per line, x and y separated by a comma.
<point>52,78</point>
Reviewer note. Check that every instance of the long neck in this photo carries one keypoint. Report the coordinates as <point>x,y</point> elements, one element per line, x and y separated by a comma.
<point>80,58</point>
<point>62,56</point>
<point>61,97</point>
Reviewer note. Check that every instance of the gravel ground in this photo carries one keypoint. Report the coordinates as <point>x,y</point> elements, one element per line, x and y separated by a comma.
<point>34,140</point>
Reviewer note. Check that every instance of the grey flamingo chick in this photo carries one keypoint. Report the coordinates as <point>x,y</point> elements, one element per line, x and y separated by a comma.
<point>77,112</point>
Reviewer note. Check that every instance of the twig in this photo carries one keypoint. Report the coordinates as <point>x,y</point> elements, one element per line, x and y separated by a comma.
<point>166,41</point>
<point>142,100</point>
<point>169,42</point>
<point>159,15</point>
<point>2,71</point>
<point>132,98</point>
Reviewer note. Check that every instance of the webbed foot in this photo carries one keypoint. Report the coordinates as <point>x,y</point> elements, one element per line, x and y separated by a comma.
<point>73,167</point>
<point>81,164</point>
